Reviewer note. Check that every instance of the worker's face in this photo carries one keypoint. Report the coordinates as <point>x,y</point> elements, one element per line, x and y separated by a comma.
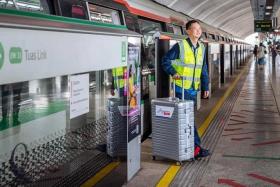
<point>194,31</point>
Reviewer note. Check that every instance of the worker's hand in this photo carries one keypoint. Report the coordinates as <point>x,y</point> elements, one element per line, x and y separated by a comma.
<point>205,94</point>
<point>112,92</point>
<point>176,76</point>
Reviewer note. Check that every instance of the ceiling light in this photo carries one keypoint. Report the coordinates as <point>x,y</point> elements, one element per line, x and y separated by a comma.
<point>267,13</point>
<point>268,7</point>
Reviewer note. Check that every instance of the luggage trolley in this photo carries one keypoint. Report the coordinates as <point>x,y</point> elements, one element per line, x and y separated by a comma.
<point>173,128</point>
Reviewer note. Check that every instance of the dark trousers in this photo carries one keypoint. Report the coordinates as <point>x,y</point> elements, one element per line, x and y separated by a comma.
<point>197,140</point>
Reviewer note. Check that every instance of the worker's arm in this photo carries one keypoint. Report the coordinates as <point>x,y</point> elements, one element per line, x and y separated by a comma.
<point>205,79</point>
<point>166,64</point>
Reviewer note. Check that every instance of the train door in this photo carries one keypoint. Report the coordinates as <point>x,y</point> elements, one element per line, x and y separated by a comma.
<point>227,61</point>
<point>237,57</point>
<point>240,56</point>
<point>222,63</point>
<point>214,66</point>
<point>231,60</point>
<point>148,65</point>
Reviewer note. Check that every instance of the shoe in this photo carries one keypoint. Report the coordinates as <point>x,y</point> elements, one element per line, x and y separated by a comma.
<point>200,152</point>
<point>204,153</point>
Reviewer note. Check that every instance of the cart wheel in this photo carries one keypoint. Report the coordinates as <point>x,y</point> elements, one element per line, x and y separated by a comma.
<point>154,157</point>
<point>178,163</point>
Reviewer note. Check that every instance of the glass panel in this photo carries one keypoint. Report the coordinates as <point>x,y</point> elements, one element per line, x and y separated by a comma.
<point>169,28</point>
<point>131,22</point>
<point>177,30</point>
<point>28,5</point>
<point>104,15</point>
<point>147,26</point>
<point>41,145</point>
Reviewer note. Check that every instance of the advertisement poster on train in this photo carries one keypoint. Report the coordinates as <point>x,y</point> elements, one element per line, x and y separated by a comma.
<point>133,91</point>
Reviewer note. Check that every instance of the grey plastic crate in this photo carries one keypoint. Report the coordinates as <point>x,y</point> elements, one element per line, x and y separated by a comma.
<point>116,129</point>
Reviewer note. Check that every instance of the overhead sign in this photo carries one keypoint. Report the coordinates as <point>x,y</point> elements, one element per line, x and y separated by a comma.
<point>263,26</point>
<point>35,54</point>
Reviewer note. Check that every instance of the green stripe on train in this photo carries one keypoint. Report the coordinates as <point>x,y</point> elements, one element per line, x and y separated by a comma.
<point>31,114</point>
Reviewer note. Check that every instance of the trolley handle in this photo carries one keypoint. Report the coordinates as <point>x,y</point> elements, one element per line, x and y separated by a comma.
<point>174,88</point>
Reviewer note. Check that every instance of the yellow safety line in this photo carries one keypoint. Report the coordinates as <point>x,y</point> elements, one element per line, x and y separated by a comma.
<point>172,171</point>
<point>100,175</point>
<point>214,111</point>
<point>169,175</point>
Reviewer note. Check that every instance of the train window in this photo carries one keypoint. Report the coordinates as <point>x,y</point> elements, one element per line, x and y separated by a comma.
<point>169,28</point>
<point>205,34</point>
<point>104,15</point>
<point>177,29</point>
<point>75,10</point>
<point>147,26</point>
<point>27,5</point>
<point>212,36</point>
<point>78,11</point>
<point>131,22</point>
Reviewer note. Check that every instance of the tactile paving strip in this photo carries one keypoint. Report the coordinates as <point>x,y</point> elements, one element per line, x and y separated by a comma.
<point>191,173</point>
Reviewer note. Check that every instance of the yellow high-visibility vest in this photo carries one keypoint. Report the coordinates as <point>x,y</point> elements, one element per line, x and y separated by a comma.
<point>188,65</point>
<point>118,74</point>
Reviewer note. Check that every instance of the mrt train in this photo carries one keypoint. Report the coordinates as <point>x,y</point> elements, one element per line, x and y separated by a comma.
<point>141,28</point>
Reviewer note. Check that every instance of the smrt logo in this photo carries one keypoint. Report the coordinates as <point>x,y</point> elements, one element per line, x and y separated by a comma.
<point>1,55</point>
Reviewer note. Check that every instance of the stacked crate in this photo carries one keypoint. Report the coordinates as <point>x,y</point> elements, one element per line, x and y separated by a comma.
<point>117,129</point>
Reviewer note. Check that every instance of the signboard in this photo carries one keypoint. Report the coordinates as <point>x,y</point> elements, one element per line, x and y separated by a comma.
<point>134,91</point>
<point>79,95</point>
<point>36,54</point>
<point>133,100</point>
<point>263,26</point>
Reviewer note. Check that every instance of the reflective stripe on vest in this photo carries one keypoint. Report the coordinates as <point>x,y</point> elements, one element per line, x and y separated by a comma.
<point>189,66</point>
<point>118,74</point>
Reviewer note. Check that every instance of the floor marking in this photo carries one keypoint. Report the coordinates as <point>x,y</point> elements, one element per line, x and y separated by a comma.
<point>263,178</point>
<point>169,175</point>
<point>252,132</point>
<point>236,129</point>
<point>252,157</point>
<point>241,139</point>
<point>266,143</point>
<point>230,182</point>
<point>235,115</point>
<point>101,174</point>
